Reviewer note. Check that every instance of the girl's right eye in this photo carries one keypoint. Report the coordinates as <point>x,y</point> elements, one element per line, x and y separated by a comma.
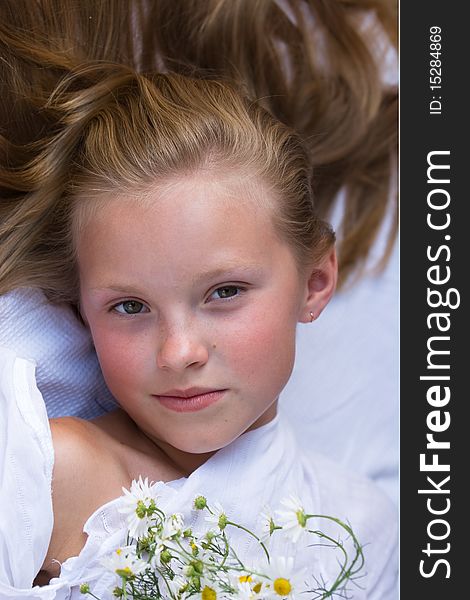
<point>130,307</point>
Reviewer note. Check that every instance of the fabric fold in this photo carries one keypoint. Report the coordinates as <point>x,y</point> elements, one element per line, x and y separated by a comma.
<point>26,463</point>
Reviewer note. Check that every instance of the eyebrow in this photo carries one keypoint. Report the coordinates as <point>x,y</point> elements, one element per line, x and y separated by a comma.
<point>227,270</point>
<point>214,274</point>
<point>116,287</point>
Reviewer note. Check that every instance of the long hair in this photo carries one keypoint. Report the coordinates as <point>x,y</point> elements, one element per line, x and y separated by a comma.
<point>316,65</point>
<point>119,133</point>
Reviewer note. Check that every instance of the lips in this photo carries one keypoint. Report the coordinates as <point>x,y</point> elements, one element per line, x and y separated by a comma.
<point>188,392</point>
<point>189,400</point>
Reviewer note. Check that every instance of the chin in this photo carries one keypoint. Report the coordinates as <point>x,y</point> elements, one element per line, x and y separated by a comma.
<point>202,447</point>
<point>196,444</point>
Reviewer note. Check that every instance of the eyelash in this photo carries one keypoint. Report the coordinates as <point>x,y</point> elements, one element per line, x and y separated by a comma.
<point>239,288</point>
<point>123,313</point>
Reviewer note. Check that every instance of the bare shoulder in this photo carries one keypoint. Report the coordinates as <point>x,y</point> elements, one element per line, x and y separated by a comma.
<point>79,451</point>
<point>93,460</point>
<point>74,440</point>
<point>87,470</point>
<point>86,475</point>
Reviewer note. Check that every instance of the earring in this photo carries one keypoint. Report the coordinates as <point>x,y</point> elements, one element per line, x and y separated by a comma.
<point>312,317</point>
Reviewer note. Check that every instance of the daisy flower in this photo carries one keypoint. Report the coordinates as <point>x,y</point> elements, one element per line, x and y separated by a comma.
<point>177,586</point>
<point>210,590</point>
<point>217,516</point>
<point>293,519</point>
<point>173,525</point>
<point>124,563</point>
<point>138,505</point>
<point>247,587</point>
<point>266,524</point>
<point>246,590</point>
<point>285,581</point>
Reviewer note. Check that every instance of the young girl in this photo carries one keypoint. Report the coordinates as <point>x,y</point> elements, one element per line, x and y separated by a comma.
<point>178,217</point>
<point>328,70</point>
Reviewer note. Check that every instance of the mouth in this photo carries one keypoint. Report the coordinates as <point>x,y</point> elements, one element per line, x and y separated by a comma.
<point>191,400</point>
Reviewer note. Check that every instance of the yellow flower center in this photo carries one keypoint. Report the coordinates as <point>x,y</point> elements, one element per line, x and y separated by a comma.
<point>208,594</point>
<point>126,572</point>
<point>257,588</point>
<point>244,578</point>
<point>282,586</point>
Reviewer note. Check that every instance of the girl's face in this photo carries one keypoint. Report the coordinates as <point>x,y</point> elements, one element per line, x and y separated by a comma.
<point>192,301</point>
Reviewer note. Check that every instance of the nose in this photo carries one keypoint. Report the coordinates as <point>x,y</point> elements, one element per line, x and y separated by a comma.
<point>181,349</point>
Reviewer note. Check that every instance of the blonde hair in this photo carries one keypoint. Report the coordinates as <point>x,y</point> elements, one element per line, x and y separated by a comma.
<point>316,65</point>
<point>118,131</point>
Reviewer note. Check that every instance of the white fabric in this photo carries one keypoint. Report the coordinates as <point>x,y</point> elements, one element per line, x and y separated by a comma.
<point>343,395</point>
<point>68,373</point>
<point>260,467</point>
<point>25,472</point>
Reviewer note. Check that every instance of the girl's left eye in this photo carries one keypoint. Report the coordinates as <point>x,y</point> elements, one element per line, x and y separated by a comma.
<point>130,307</point>
<point>226,292</point>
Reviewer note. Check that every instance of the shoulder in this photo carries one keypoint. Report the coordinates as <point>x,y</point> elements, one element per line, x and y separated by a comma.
<point>75,442</point>
<point>86,475</point>
<point>78,449</point>
<point>84,461</point>
<point>71,434</point>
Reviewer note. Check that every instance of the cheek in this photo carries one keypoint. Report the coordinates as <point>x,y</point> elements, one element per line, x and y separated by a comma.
<point>120,358</point>
<point>263,346</point>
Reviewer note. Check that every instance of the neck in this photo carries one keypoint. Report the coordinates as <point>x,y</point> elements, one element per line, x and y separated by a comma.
<point>184,462</point>
<point>188,462</point>
<point>179,461</point>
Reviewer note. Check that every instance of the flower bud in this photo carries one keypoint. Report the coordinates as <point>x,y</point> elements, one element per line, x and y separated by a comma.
<point>141,509</point>
<point>190,571</point>
<point>200,502</point>
<point>223,521</point>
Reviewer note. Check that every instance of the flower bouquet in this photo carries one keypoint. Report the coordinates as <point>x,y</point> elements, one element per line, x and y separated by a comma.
<point>165,559</point>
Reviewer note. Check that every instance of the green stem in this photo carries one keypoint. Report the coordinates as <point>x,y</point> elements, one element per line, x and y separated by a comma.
<point>345,573</point>
<point>252,534</point>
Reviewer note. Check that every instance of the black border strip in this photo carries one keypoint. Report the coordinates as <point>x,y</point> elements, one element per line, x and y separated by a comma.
<point>434,230</point>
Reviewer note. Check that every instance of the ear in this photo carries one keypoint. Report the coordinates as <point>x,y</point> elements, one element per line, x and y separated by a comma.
<point>320,286</point>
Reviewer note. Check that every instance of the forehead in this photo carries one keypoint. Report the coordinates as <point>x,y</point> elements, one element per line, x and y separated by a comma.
<point>181,192</point>
<point>176,225</point>
<point>207,196</point>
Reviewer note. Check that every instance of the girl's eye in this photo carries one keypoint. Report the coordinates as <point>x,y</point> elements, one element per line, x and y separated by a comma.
<point>226,292</point>
<point>130,307</point>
